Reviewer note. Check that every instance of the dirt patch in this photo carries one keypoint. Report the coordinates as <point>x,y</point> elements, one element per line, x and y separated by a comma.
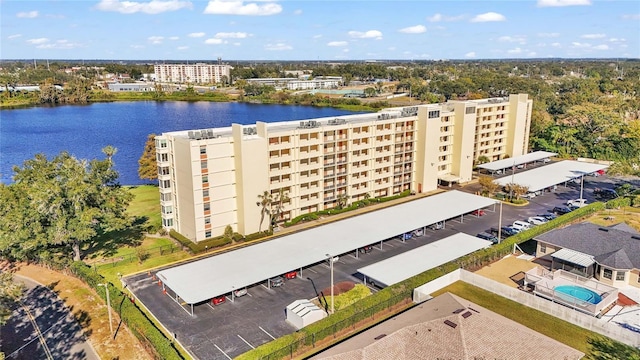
<point>339,288</point>
<point>91,311</point>
<point>506,270</point>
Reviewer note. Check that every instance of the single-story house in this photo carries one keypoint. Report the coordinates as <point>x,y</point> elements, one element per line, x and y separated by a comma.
<point>610,254</point>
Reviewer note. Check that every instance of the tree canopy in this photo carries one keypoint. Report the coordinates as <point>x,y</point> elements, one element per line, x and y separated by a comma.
<point>55,206</point>
<point>147,164</point>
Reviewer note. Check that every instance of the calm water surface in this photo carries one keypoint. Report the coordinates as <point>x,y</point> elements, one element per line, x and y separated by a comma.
<point>85,130</point>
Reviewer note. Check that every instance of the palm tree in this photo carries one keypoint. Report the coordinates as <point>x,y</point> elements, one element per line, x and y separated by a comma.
<point>342,200</point>
<point>280,199</point>
<point>265,202</point>
<point>109,151</point>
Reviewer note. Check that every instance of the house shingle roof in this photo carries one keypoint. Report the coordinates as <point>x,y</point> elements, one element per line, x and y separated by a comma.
<point>609,246</point>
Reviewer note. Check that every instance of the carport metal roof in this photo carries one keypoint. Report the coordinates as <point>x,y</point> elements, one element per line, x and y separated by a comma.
<point>403,266</point>
<point>552,174</point>
<point>574,257</point>
<point>204,279</point>
<point>516,160</point>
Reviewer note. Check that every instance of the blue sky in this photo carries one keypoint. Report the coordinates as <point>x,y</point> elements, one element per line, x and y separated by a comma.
<point>318,30</point>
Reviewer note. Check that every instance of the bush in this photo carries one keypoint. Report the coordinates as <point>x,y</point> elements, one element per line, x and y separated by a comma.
<point>618,203</point>
<point>201,246</point>
<point>140,325</point>
<point>258,235</point>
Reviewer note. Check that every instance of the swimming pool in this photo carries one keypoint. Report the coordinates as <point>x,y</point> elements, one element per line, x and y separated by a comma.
<point>577,292</point>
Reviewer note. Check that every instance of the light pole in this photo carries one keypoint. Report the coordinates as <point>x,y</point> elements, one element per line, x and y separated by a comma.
<point>581,186</point>
<point>500,224</point>
<point>106,289</point>
<point>331,266</point>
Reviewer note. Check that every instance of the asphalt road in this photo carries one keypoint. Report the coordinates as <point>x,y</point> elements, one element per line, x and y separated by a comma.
<point>232,328</point>
<point>42,327</point>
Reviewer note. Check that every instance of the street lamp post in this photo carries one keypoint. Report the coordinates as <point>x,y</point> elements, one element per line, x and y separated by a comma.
<point>331,266</point>
<point>106,289</point>
<point>581,186</point>
<point>500,224</point>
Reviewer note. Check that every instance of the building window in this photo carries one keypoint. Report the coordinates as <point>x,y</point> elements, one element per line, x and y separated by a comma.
<point>205,193</point>
<point>434,114</point>
<point>165,184</point>
<point>203,164</point>
<point>470,110</point>
<point>607,273</point>
<point>205,179</point>
<point>167,222</point>
<point>620,275</point>
<point>543,248</point>
<point>165,197</point>
<point>207,206</point>
<point>167,209</point>
<point>207,234</point>
<point>207,220</point>
<point>203,149</point>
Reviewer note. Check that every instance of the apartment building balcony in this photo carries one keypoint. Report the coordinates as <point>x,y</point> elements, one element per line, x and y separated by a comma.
<point>384,142</point>
<point>398,149</point>
<point>280,171</point>
<point>385,131</point>
<point>309,165</point>
<point>329,198</point>
<point>329,150</point>
<point>308,190</point>
<point>273,159</point>
<point>308,201</point>
<point>397,170</point>
<point>310,141</point>
<point>280,145</point>
<point>341,160</point>
<point>361,146</point>
<point>310,177</point>
<point>383,151</point>
<point>164,176</point>
<point>329,138</point>
<point>359,135</point>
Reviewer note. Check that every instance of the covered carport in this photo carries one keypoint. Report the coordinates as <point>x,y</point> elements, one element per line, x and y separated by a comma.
<point>202,280</point>
<point>411,263</point>
<point>553,174</point>
<point>499,165</point>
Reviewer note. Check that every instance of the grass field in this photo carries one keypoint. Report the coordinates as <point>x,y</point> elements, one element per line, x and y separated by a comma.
<point>146,204</point>
<point>557,329</point>
<point>629,215</point>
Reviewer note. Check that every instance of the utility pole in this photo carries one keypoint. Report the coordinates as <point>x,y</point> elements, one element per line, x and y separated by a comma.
<point>331,266</point>
<point>106,289</point>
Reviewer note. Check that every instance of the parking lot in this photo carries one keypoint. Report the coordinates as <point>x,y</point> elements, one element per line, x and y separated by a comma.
<point>229,329</point>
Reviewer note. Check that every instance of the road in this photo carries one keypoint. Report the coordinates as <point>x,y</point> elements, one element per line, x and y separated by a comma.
<point>42,327</point>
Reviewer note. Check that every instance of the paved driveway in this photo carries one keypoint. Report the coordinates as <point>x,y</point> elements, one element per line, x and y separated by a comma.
<point>42,327</point>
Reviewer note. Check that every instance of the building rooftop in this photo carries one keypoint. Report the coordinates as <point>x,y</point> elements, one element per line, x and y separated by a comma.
<point>449,327</point>
<point>552,174</point>
<point>609,246</point>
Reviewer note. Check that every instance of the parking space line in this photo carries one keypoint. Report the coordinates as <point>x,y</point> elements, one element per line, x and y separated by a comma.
<point>313,271</point>
<point>388,244</point>
<point>211,306</point>
<point>265,331</point>
<point>373,289</point>
<point>224,353</point>
<point>245,341</point>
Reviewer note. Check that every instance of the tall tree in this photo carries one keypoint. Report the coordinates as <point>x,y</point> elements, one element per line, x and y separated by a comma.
<point>10,291</point>
<point>265,201</point>
<point>64,203</point>
<point>279,202</point>
<point>147,164</point>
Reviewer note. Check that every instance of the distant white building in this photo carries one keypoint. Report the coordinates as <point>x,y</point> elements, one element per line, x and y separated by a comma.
<point>199,73</point>
<point>326,82</point>
<point>135,87</point>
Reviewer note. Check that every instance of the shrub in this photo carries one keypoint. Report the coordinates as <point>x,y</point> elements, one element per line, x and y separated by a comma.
<point>200,246</point>
<point>258,235</point>
<point>618,203</point>
<point>140,325</point>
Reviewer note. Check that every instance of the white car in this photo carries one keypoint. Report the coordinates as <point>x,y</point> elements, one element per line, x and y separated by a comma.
<point>536,220</point>
<point>577,202</point>
<point>521,225</point>
<point>240,292</point>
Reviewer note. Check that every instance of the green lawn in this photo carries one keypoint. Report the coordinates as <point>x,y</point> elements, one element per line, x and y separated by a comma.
<point>557,329</point>
<point>146,204</point>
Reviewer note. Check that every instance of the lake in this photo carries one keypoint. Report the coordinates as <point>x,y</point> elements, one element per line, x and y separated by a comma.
<point>83,130</point>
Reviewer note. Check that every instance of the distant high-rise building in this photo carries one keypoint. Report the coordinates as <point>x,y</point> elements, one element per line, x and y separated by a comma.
<point>198,73</point>
<point>212,178</point>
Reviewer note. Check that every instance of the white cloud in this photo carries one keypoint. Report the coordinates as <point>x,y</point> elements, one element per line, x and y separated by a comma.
<point>156,39</point>
<point>488,17</point>
<point>174,38</point>
<point>196,34</point>
<point>14,36</point>
<point>558,3</point>
<point>615,40</point>
<point>278,47</point>
<point>59,44</point>
<point>182,47</point>
<point>601,47</point>
<point>470,54</point>
<point>214,41</point>
<point>151,7</point>
<point>317,36</point>
<point>137,46</point>
<point>549,35</point>
<point>345,50</point>
<point>337,43</point>
<point>238,7</point>
<point>439,17</point>
<point>593,36</point>
<point>418,29</point>
<point>371,34</point>
<point>580,45</point>
<point>532,54</point>
<point>232,35</point>
<point>516,38</point>
<point>631,16</point>
<point>297,12</point>
<point>556,44</point>
<point>27,14</point>
<point>38,41</point>
<point>514,51</point>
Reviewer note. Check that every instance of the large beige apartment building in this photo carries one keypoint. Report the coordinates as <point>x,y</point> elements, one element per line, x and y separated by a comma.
<point>199,73</point>
<point>212,178</point>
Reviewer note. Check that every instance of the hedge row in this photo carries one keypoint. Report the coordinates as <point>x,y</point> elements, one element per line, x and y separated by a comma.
<point>353,206</point>
<point>215,242</point>
<point>404,290</point>
<point>136,320</point>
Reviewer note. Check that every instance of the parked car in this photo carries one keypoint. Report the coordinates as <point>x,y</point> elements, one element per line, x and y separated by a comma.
<point>418,232</point>
<point>335,259</point>
<point>546,160</point>
<point>605,194</point>
<point>291,275</point>
<point>240,292</point>
<point>486,236</point>
<point>509,231</point>
<point>561,210</point>
<point>577,202</point>
<point>437,226</point>
<point>478,212</point>
<point>536,220</point>
<point>521,225</point>
<point>277,281</point>
<point>367,249</point>
<point>549,216</point>
<point>218,300</point>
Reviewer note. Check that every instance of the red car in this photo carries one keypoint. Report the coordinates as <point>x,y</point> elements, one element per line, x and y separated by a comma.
<point>291,275</point>
<point>478,212</point>
<point>218,300</point>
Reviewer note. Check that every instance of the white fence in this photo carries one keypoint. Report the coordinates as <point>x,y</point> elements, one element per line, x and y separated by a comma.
<point>596,325</point>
